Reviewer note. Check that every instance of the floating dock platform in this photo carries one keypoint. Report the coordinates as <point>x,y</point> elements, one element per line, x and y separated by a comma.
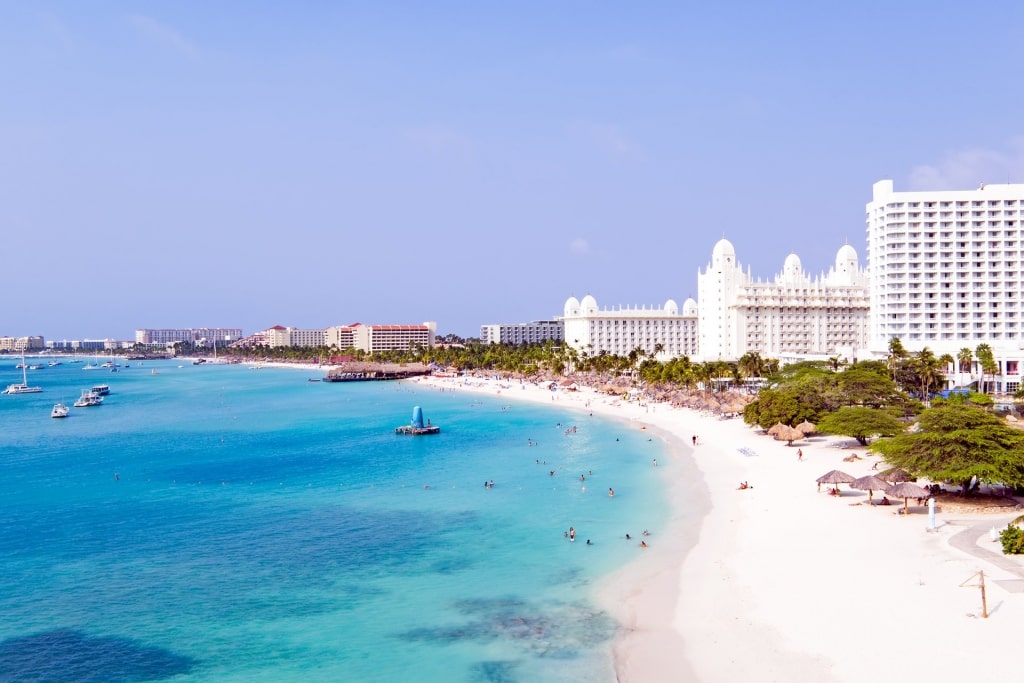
<point>417,428</point>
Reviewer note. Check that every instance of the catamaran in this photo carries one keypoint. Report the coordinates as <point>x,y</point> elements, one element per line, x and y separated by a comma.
<point>23,387</point>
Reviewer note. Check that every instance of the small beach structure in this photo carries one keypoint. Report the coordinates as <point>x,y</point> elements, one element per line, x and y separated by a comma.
<point>417,428</point>
<point>835,477</point>
<point>907,490</point>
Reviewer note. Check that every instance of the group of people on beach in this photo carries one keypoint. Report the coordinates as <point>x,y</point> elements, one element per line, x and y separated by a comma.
<point>744,485</point>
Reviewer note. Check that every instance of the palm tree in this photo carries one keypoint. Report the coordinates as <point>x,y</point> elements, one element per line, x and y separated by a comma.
<point>925,371</point>
<point>966,358</point>
<point>987,361</point>
<point>896,354</point>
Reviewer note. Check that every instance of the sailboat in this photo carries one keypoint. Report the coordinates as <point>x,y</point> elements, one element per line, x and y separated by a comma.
<point>22,388</point>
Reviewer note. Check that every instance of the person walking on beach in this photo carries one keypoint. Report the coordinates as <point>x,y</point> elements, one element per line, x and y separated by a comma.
<point>799,454</point>
<point>694,439</point>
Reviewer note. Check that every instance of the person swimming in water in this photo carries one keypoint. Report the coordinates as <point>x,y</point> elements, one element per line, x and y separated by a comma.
<point>572,534</point>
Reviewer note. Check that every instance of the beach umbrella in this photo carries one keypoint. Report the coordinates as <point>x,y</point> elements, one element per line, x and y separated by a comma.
<point>774,429</point>
<point>807,427</point>
<point>894,475</point>
<point>869,483</point>
<point>835,477</point>
<point>787,433</point>
<point>907,490</point>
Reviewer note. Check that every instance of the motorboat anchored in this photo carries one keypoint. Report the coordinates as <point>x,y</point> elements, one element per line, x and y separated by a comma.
<point>101,390</point>
<point>59,410</point>
<point>88,399</point>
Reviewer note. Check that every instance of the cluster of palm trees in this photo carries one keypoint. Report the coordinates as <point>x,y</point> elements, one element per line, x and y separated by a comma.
<point>924,371</point>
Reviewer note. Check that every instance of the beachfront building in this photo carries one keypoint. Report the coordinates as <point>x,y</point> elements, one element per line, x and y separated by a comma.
<point>791,317</point>
<point>279,335</point>
<point>165,337</point>
<point>523,333</point>
<point>946,274</point>
<point>21,344</point>
<point>661,332</point>
<point>340,337</point>
<point>373,338</point>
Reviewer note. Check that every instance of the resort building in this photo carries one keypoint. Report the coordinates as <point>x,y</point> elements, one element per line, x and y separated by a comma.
<point>340,337</point>
<point>373,338</point>
<point>21,344</point>
<point>523,333</point>
<point>946,274</point>
<point>659,332</point>
<point>790,317</point>
<point>290,336</point>
<point>209,335</point>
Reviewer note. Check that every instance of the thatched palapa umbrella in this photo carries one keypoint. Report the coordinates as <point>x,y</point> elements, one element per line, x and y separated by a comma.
<point>907,490</point>
<point>895,475</point>
<point>807,427</point>
<point>787,433</point>
<point>835,477</point>
<point>869,483</point>
<point>774,429</point>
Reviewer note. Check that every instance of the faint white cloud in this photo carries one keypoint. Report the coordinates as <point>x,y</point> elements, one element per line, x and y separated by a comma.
<point>608,138</point>
<point>441,142</point>
<point>579,247</point>
<point>968,168</point>
<point>161,34</point>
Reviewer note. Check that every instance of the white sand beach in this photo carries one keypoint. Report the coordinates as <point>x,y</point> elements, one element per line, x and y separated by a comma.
<point>780,582</point>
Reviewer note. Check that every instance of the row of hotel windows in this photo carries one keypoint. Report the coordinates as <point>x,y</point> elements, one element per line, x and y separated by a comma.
<point>949,202</point>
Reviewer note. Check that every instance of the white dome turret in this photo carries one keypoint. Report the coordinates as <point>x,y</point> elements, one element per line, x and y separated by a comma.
<point>589,305</point>
<point>690,307</point>
<point>572,307</point>
<point>723,253</point>
<point>671,307</point>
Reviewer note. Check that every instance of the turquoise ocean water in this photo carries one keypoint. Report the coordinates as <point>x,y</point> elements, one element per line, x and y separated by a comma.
<point>219,523</point>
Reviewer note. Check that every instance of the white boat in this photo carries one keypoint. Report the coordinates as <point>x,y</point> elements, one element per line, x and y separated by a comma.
<point>87,399</point>
<point>23,387</point>
<point>59,410</point>
<point>101,390</point>
<point>54,363</point>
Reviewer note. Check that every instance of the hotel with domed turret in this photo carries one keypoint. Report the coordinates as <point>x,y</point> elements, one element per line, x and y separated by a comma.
<point>662,333</point>
<point>791,317</point>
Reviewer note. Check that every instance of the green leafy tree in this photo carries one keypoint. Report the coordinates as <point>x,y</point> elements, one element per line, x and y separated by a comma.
<point>861,422</point>
<point>958,441</point>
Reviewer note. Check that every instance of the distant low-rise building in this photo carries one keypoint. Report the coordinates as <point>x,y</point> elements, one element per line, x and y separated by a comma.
<point>21,344</point>
<point>209,335</point>
<point>290,336</point>
<point>523,333</point>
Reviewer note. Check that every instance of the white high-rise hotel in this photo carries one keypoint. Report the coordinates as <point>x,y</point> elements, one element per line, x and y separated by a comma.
<point>946,272</point>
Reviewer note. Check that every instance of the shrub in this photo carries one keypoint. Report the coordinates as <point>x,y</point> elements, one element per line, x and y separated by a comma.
<point>1012,538</point>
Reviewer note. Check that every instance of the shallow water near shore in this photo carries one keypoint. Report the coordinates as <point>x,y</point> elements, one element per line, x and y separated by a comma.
<point>216,523</point>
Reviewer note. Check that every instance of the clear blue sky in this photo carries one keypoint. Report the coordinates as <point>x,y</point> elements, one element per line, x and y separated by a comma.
<point>247,164</point>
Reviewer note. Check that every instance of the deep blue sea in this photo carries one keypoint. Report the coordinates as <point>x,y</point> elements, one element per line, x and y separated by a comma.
<point>220,523</point>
